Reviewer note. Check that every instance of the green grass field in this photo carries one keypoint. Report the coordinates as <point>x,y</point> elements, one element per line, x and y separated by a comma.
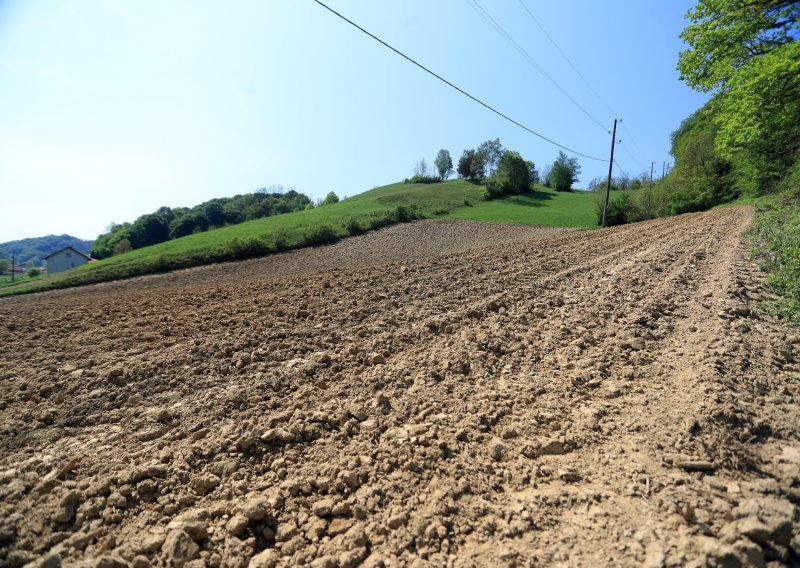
<point>542,207</point>
<point>455,199</point>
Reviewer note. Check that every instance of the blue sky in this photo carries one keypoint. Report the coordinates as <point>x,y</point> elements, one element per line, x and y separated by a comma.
<point>112,109</point>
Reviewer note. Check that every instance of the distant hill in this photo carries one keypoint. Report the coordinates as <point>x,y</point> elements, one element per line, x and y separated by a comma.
<point>36,248</point>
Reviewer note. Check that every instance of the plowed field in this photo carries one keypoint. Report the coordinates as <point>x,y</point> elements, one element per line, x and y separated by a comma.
<point>434,394</point>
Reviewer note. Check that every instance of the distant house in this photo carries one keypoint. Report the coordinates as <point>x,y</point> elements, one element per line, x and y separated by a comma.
<point>65,259</point>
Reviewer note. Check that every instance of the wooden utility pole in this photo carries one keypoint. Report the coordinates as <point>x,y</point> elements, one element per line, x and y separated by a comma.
<point>13,265</point>
<point>610,167</point>
<point>651,176</point>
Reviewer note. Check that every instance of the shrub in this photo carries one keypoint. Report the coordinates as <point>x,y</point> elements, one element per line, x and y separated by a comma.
<point>404,213</point>
<point>621,209</point>
<point>423,179</point>
<point>353,227</point>
<point>320,234</point>
<point>280,240</point>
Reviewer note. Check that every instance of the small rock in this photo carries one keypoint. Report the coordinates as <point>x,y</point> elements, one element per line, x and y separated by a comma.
<point>552,448</point>
<point>397,521</point>
<point>237,553</point>
<point>195,529</point>
<point>67,507</point>
<point>179,549</point>
<point>749,527</point>
<point>325,562</point>
<point>355,537</point>
<point>509,433</point>
<point>339,526</point>
<point>236,525</point>
<point>205,483</point>
<point>378,359</point>
<point>496,448</point>
<point>140,561</point>
<point>323,507</point>
<point>265,559</point>
<point>349,478</point>
<point>110,561</point>
<point>117,500</point>
<point>255,509</point>
<point>569,475</point>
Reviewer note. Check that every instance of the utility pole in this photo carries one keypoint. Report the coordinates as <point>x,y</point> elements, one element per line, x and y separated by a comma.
<point>610,166</point>
<point>13,265</point>
<point>664,169</point>
<point>651,176</point>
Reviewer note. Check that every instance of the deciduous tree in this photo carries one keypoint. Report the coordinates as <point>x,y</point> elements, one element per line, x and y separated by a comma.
<point>444,163</point>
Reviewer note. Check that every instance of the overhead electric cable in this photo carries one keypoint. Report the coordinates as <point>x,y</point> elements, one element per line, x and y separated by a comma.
<point>632,157</point>
<point>620,168</point>
<point>460,90</point>
<point>633,142</point>
<point>583,78</point>
<point>568,60</point>
<point>481,11</point>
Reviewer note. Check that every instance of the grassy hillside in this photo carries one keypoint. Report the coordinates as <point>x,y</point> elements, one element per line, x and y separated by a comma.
<point>542,207</point>
<point>372,209</point>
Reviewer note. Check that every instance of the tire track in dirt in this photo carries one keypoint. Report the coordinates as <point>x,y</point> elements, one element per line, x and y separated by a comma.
<point>614,397</point>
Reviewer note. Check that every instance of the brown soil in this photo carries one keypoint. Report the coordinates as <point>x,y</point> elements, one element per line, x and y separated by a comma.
<point>583,399</point>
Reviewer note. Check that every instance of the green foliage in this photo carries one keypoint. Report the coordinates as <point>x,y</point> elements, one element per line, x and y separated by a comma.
<point>701,178</point>
<point>747,54</point>
<point>5,266</point>
<point>423,179</point>
<point>513,173</point>
<point>330,199</point>
<point>444,164</point>
<point>724,36</point>
<point>777,242</point>
<point>489,154</point>
<point>621,209</point>
<point>470,166</point>
<point>564,172</point>
<point>167,224</point>
<point>33,272</point>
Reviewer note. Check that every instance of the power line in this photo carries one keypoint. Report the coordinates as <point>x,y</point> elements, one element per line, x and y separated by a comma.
<point>630,135</point>
<point>460,90</point>
<point>586,82</point>
<point>632,157</point>
<point>506,36</point>
<point>564,55</point>
<point>620,169</point>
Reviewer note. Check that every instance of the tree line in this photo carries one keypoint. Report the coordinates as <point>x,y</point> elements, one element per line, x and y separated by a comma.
<point>503,171</point>
<point>746,140</point>
<point>172,223</point>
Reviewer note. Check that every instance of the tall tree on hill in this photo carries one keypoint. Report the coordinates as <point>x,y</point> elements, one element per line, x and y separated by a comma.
<point>421,168</point>
<point>469,166</point>
<point>513,173</point>
<point>564,172</point>
<point>444,163</point>
<point>488,155</point>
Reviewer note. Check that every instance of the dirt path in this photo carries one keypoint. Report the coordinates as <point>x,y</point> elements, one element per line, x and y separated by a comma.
<point>604,398</point>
